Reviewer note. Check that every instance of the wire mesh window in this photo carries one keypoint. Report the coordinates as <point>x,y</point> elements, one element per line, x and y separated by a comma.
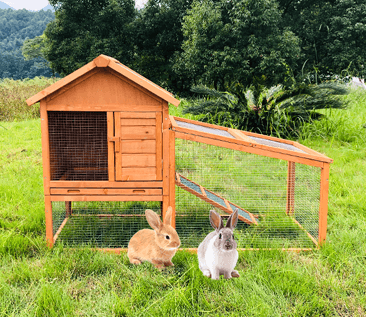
<point>102,224</point>
<point>258,185</point>
<point>78,145</point>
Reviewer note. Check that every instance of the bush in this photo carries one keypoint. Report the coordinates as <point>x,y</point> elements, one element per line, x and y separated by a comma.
<point>276,111</point>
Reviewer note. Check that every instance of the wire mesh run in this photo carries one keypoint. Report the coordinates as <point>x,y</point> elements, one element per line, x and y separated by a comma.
<point>285,201</point>
<point>78,145</point>
<point>105,224</point>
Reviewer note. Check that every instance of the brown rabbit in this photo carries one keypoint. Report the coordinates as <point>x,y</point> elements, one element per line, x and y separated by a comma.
<point>157,246</point>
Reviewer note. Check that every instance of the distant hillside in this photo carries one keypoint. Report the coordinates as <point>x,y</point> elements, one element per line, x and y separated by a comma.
<point>15,27</point>
<point>48,7</point>
<point>3,5</point>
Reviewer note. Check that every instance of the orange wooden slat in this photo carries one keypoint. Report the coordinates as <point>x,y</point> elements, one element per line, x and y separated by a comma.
<point>111,153</point>
<point>106,198</point>
<point>290,205</point>
<point>138,132</point>
<point>45,149</point>
<point>97,184</point>
<point>137,173</point>
<point>106,191</point>
<point>138,146</point>
<point>138,160</point>
<point>323,204</point>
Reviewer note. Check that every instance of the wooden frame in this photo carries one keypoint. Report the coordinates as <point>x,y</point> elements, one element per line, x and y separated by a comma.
<point>144,109</point>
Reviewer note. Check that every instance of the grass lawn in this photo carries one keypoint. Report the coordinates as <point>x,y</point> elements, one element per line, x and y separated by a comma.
<point>36,281</point>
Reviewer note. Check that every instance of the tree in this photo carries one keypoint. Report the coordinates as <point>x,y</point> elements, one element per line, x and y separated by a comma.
<point>234,41</point>
<point>158,37</point>
<point>332,32</point>
<point>84,29</point>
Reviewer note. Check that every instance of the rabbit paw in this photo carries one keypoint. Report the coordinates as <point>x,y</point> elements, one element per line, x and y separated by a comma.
<point>235,273</point>
<point>206,273</point>
<point>135,261</point>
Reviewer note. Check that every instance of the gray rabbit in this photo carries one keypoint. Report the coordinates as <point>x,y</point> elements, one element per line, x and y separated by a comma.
<point>217,254</point>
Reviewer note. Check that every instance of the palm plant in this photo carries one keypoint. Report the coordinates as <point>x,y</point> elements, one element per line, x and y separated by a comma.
<point>277,110</point>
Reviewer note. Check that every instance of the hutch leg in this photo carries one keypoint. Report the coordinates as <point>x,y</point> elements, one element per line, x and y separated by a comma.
<point>290,208</point>
<point>49,224</point>
<point>172,174</point>
<point>68,208</point>
<point>323,205</point>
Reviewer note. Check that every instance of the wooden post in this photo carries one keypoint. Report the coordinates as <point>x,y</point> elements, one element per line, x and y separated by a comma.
<point>166,157</point>
<point>323,205</point>
<point>49,224</point>
<point>290,207</point>
<point>68,208</point>
<point>45,148</point>
<point>172,174</point>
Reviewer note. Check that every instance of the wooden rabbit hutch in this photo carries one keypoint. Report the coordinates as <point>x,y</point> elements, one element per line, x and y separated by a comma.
<point>111,150</point>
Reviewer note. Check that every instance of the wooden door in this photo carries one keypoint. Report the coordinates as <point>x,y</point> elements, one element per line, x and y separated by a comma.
<point>138,154</point>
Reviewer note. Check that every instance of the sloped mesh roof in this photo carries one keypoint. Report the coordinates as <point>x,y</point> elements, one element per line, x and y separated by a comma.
<point>203,129</point>
<point>276,144</point>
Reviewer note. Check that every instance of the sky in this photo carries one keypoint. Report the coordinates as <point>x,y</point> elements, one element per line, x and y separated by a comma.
<point>36,5</point>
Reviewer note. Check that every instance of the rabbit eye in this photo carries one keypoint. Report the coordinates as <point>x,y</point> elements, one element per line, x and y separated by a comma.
<point>220,236</point>
<point>233,237</point>
<point>167,237</point>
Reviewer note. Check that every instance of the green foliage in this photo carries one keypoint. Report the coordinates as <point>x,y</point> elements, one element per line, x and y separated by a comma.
<point>234,41</point>
<point>16,26</point>
<point>332,32</point>
<point>277,111</point>
<point>83,30</point>
<point>158,37</point>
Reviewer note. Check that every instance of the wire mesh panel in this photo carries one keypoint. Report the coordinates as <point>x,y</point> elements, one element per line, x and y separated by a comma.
<point>286,204</point>
<point>78,145</point>
<point>100,224</point>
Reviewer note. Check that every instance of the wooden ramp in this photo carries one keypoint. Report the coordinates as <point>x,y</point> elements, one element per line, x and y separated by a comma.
<point>214,199</point>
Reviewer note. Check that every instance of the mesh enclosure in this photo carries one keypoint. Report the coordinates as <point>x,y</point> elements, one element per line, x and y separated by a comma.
<point>100,224</point>
<point>287,211</point>
<point>78,145</point>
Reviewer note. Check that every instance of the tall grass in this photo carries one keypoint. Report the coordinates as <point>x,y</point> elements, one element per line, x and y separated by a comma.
<point>14,93</point>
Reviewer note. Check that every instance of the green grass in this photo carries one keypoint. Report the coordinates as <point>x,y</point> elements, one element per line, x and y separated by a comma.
<point>36,281</point>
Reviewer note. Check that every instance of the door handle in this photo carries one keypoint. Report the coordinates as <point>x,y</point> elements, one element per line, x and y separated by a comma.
<point>117,143</point>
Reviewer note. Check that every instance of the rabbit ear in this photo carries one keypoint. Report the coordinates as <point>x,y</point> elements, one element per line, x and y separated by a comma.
<point>216,220</point>
<point>153,219</point>
<point>168,216</point>
<point>233,220</point>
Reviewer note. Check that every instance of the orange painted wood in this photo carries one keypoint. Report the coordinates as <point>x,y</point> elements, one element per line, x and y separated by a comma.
<point>307,233</point>
<point>290,205</point>
<point>49,224</point>
<point>45,148</point>
<point>138,160</point>
<point>323,204</point>
<point>87,107</point>
<point>140,116</point>
<point>249,149</point>
<point>106,191</point>
<point>138,122</point>
<point>68,208</point>
<point>72,84</point>
<point>138,173</point>
<point>252,144</point>
<point>144,82</point>
<point>240,136</point>
<point>110,134</point>
<point>63,224</point>
<point>138,146</point>
<point>104,88</point>
<point>212,202</point>
<point>98,184</point>
<point>159,146</point>
<point>118,146</point>
<point>165,206</point>
<point>194,250</point>
<point>166,120</point>
<point>310,151</point>
<point>172,174</point>
<point>105,198</point>
<point>166,159</point>
<point>172,121</point>
<point>59,84</point>
<point>226,203</point>
<point>204,124</point>
<point>138,132</point>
